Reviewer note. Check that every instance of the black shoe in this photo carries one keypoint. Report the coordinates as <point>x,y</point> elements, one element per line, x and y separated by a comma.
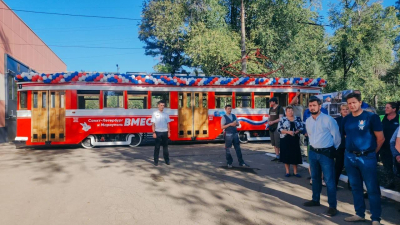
<point>167,162</point>
<point>366,195</point>
<point>156,163</point>
<point>311,203</point>
<point>331,212</point>
<point>276,159</point>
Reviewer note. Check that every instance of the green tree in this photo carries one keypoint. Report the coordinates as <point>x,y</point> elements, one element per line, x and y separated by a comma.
<point>362,46</point>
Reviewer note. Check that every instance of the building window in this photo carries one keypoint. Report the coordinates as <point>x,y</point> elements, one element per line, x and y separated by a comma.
<point>261,100</point>
<point>23,100</point>
<point>243,100</point>
<point>88,99</point>
<point>113,99</point>
<point>158,96</point>
<point>137,100</point>
<point>222,99</point>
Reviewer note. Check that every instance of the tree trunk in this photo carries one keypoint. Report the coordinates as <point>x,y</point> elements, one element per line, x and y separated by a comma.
<point>243,42</point>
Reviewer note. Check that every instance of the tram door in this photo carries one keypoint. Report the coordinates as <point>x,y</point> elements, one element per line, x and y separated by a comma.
<point>48,116</point>
<point>193,114</point>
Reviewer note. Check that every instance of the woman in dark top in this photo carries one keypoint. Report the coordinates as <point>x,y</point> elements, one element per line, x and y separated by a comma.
<point>289,128</point>
<point>390,123</point>
<point>339,158</point>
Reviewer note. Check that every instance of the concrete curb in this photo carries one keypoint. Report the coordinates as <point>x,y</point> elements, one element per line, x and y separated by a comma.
<point>394,195</point>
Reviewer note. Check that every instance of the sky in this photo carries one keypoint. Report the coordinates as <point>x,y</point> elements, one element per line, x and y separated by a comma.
<point>57,31</point>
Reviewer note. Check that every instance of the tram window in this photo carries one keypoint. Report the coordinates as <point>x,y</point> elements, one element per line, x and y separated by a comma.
<point>44,100</point>
<point>23,100</point>
<point>205,100</point>
<point>35,100</point>
<point>137,100</point>
<point>197,100</point>
<point>88,99</point>
<point>158,96</point>
<point>282,98</point>
<point>243,100</point>
<point>180,100</point>
<point>189,100</point>
<point>53,100</point>
<point>261,100</point>
<point>222,99</point>
<point>113,99</point>
<point>62,99</point>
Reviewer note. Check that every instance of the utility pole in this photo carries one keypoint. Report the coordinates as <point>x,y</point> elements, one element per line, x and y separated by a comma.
<point>117,68</point>
<point>243,42</point>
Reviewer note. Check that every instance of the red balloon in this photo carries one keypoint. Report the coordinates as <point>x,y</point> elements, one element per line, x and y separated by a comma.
<point>79,74</point>
<point>119,80</point>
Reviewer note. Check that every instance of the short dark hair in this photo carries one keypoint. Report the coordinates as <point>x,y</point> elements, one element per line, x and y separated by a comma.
<point>289,107</point>
<point>228,106</point>
<point>354,95</point>
<point>161,101</point>
<point>315,99</point>
<point>394,105</point>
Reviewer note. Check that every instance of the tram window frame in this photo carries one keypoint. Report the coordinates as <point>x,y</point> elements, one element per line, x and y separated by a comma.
<point>23,101</point>
<point>165,96</point>
<point>92,96</point>
<point>239,100</point>
<point>222,95</point>
<point>137,96</point>
<point>282,98</point>
<point>119,102</point>
<point>266,96</point>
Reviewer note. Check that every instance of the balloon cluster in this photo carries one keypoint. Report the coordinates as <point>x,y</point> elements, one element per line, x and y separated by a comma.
<point>164,79</point>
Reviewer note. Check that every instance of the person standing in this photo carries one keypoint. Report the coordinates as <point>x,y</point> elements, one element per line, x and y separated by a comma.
<point>364,137</point>
<point>275,114</point>
<point>307,115</point>
<point>229,124</point>
<point>290,128</point>
<point>395,148</point>
<point>339,162</point>
<point>324,136</point>
<point>390,123</point>
<point>161,132</point>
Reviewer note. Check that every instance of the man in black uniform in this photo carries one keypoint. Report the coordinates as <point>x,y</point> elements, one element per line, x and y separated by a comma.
<point>229,124</point>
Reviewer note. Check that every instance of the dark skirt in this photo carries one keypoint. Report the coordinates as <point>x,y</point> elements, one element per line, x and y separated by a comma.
<point>290,152</point>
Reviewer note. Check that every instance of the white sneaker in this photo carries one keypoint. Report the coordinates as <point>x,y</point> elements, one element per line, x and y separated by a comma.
<point>376,223</point>
<point>229,165</point>
<point>354,218</point>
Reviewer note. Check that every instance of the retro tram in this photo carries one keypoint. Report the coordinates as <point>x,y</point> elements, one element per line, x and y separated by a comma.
<point>99,109</point>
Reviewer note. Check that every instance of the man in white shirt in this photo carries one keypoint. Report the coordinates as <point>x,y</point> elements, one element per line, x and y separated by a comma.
<point>161,132</point>
<point>325,138</point>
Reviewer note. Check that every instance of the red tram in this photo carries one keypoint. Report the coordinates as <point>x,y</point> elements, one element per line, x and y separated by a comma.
<point>98,109</point>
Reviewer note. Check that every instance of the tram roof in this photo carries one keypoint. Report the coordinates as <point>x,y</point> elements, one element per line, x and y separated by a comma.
<point>165,79</point>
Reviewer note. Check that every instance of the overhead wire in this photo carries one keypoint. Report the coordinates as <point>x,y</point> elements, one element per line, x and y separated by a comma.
<point>73,15</point>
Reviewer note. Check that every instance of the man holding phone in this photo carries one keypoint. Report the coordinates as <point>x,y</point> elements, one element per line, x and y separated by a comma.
<point>229,124</point>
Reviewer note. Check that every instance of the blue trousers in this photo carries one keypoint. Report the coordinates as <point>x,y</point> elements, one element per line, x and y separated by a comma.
<point>318,163</point>
<point>361,169</point>
<point>229,140</point>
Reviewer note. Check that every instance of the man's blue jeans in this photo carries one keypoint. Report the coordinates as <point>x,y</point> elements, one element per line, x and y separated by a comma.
<point>320,162</point>
<point>361,169</point>
<point>229,140</point>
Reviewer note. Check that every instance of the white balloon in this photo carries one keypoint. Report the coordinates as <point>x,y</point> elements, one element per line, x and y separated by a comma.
<point>62,80</point>
<point>45,78</point>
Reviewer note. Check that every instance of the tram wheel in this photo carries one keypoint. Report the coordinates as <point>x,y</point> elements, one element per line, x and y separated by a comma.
<point>243,137</point>
<point>136,139</point>
<point>87,142</point>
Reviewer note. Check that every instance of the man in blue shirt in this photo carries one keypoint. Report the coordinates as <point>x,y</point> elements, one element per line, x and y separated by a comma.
<point>324,136</point>
<point>364,138</point>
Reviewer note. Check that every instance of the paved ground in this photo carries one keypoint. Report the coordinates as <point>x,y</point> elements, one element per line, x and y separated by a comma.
<point>120,185</point>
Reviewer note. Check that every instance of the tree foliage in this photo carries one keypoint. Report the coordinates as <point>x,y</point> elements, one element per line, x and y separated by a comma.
<point>362,53</point>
